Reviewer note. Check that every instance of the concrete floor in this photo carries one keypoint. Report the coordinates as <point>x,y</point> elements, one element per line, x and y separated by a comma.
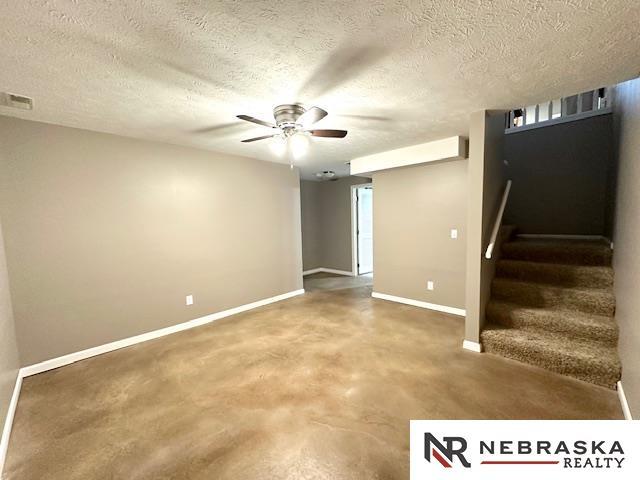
<point>330,281</point>
<point>320,386</point>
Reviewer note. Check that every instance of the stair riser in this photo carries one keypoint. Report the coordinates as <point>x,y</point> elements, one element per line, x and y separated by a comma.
<point>562,275</point>
<point>592,372</point>
<point>577,256</point>
<point>601,334</point>
<point>588,302</point>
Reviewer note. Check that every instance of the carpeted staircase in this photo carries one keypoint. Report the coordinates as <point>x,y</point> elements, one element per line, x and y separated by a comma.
<point>552,305</point>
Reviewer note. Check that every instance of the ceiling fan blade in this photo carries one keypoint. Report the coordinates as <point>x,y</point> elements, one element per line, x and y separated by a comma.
<point>223,127</point>
<point>255,139</point>
<point>328,133</point>
<point>311,116</point>
<point>247,118</point>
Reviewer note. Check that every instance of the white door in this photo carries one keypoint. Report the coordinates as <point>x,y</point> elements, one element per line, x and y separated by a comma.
<point>365,230</point>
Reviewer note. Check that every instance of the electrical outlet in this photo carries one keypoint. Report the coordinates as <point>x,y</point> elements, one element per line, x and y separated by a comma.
<point>189,300</point>
<point>430,285</point>
<point>454,233</point>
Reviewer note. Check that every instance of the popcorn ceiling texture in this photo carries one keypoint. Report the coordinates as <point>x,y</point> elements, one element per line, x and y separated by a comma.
<point>393,73</point>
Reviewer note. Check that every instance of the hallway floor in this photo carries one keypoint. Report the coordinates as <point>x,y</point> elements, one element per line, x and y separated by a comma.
<point>330,281</point>
<point>318,386</point>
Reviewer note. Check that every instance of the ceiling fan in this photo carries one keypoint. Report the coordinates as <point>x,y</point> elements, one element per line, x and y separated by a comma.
<point>292,119</point>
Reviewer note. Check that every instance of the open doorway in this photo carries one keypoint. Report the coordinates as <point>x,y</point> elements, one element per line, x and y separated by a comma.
<point>362,228</point>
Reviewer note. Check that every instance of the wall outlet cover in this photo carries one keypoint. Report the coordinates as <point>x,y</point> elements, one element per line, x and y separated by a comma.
<point>454,233</point>
<point>189,300</point>
<point>430,285</point>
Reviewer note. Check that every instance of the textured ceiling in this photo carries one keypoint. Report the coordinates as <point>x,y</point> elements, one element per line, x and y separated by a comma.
<point>394,73</point>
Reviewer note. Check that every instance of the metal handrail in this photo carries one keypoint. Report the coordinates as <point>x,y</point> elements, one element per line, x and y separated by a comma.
<point>496,226</point>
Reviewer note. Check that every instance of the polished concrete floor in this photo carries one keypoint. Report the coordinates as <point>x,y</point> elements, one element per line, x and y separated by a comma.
<point>330,281</point>
<point>320,386</point>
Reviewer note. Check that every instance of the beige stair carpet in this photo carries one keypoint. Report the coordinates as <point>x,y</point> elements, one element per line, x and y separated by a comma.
<point>552,305</point>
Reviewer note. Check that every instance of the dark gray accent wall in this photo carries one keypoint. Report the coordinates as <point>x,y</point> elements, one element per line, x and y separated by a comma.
<point>561,177</point>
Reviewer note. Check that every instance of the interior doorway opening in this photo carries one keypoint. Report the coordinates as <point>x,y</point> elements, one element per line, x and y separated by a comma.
<point>362,228</point>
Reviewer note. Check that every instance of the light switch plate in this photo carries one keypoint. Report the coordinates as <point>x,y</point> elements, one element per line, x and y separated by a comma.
<point>454,233</point>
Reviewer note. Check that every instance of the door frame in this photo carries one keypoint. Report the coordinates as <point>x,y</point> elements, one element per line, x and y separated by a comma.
<point>354,226</point>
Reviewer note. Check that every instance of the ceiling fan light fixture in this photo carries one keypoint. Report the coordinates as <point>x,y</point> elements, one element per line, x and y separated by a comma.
<point>299,144</point>
<point>326,175</point>
<point>278,145</point>
<point>294,124</point>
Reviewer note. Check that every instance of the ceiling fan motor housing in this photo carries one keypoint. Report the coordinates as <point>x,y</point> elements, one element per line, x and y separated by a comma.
<point>287,115</point>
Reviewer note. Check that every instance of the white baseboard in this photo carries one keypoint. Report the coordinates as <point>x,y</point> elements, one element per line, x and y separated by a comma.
<point>8,423</point>
<point>421,304</point>
<point>472,346</point>
<point>109,347</point>
<point>328,270</point>
<point>623,402</point>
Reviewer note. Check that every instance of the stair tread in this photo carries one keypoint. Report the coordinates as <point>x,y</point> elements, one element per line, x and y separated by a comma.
<point>591,242</point>
<point>583,359</point>
<point>569,323</point>
<point>605,290</point>
<point>552,305</point>
<point>552,342</point>
<point>599,301</point>
<point>561,251</point>
<point>568,315</point>
<point>561,268</point>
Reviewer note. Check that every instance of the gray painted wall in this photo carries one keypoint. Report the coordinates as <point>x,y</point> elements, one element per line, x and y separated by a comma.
<point>326,223</point>
<point>310,206</point>
<point>560,176</point>
<point>106,235</point>
<point>414,210</point>
<point>626,258</point>
<point>9,361</point>
<point>487,179</point>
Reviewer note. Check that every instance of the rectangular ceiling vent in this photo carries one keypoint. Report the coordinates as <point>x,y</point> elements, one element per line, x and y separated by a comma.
<point>16,101</point>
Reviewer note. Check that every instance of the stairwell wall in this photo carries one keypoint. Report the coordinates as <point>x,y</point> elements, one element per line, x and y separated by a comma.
<point>626,237</point>
<point>487,177</point>
<point>560,175</point>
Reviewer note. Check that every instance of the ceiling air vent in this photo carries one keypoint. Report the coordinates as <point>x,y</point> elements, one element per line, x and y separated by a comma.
<point>16,101</point>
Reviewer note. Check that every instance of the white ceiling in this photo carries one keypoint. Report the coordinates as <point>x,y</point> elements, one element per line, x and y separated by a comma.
<point>393,73</point>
